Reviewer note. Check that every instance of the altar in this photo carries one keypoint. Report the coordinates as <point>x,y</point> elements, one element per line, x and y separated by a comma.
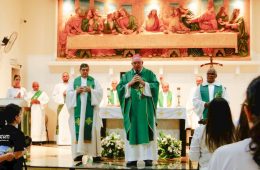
<point>164,116</point>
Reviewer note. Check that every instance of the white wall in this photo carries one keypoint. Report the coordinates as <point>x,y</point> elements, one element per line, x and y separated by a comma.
<point>35,49</point>
<point>10,12</point>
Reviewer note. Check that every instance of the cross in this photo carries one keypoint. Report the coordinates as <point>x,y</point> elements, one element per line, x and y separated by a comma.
<point>211,63</point>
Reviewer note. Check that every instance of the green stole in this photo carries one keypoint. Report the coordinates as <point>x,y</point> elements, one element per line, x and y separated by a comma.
<point>36,95</point>
<point>139,111</point>
<point>169,99</point>
<point>112,97</point>
<point>89,109</point>
<point>204,92</point>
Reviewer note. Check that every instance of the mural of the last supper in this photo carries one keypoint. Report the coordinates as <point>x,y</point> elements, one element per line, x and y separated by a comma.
<point>153,28</point>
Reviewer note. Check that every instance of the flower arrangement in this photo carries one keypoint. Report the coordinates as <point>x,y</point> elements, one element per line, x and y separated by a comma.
<point>168,146</point>
<point>113,146</point>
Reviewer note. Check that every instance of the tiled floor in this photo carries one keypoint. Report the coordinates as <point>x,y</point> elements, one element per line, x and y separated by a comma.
<point>52,157</point>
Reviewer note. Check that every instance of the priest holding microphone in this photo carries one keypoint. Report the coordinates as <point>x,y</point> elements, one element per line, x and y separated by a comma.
<point>138,95</point>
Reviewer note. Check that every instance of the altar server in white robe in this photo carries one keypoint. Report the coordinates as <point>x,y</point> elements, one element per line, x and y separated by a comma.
<point>206,92</point>
<point>62,127</point>
<point>37,100</point>
<point>84,95</point>
<point>191,117</point>
<point>16,91</point>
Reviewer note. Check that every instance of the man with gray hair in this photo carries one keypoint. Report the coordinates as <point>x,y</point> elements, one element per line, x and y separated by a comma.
<point>138,96</point>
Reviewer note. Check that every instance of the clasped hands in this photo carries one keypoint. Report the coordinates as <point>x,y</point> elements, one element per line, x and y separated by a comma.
<point>35,101</point>
<point>135,79</point>
<point>83,89</point>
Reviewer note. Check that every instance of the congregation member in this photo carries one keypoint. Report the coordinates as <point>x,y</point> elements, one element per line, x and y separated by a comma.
<point>206,92</point>
<point>219,130</point>
<point>138,95</point>
<point>12,139</point>
<point>244,154</point>
<point>37,100</point>
<point>62,126</point>
<point>84,95</point>
<point>192,117</point>
<point>165,96</point>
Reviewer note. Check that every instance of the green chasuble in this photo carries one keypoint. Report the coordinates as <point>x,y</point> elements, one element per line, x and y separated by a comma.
<point>139,111</point>
<point>204,92</point>
<point>89,109</point>
<point>169,99</point>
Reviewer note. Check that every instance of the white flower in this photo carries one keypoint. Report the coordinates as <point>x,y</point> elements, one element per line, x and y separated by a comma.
<point>170,149</point>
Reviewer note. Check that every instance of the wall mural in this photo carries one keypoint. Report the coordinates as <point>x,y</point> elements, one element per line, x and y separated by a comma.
<point>153,28</point>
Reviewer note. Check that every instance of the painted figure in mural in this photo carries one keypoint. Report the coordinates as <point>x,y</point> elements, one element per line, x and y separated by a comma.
<point>110,25</point>
<point>175,23</point>
<point>151,24</point>
<point>72,27</point>
<point>176,26</point>
<point>185,16</point>
<point>207,22</point>
<point>126,23</point>
<point>92,24</point>
<point>222,18</point>
<point>237,24</point>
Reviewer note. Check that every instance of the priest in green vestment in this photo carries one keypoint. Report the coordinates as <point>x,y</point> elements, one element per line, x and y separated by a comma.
<point>207,92</point>
<point>112,94</point>
<point>138,95</point>
<point>84,95</point>
<point>165,96</point>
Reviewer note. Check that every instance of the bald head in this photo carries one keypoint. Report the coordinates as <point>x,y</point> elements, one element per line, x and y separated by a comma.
<point>199,80</point>
<point>65,77</point>
<point>35,86</point>
<point>114,84</point>
<point>165,87</point>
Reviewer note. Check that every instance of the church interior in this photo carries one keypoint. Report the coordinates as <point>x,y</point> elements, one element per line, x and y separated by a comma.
<point>37,53</point>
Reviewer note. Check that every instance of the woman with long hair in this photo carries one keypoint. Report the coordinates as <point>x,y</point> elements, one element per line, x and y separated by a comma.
<point>244,154</point>
<point>219,130</point>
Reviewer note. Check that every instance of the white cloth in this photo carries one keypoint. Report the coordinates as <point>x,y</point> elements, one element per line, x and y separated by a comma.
<point>58,91</point>
<point>234,156</point>
<point>142,151</point>
<point>13,92</point>
<point>192,118</point>
<point>81,148</point>
<point>197,100</point>
<point>198,149</point>
<point>64,137</point>
<point>38,124</point>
